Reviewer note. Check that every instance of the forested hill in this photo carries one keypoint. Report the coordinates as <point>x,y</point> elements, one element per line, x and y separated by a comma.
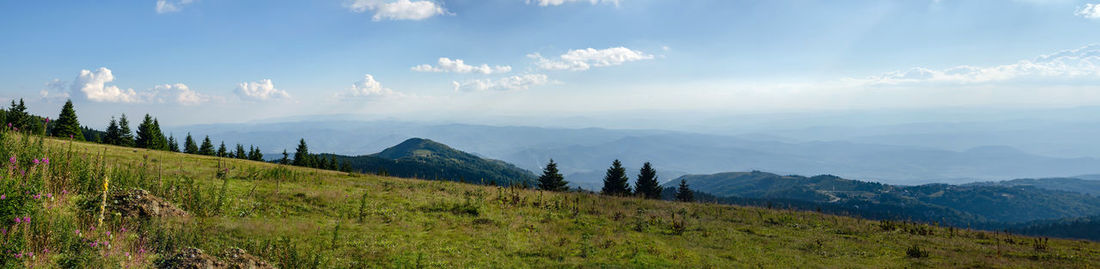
<point>966,205</point>
<point>427,159</point>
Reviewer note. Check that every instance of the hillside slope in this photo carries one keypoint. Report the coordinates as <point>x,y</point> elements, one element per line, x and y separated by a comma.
<point>427,159</point>
<point>298,217</point>
<point>965,205</point>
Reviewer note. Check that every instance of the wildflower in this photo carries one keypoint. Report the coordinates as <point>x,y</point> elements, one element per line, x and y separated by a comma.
<point>12,160</point>
<point>94,244</point>
<point>108,233</point>
<point>141,250</point>
<point>49,195</point>
<point>77,231</point>
<point>3,196</point>
<point>18,220</point>
<point>64,192</point>
<point>35,161</point>
<point>37,196</point>
<point>46,160</point>
<point>122,230</point>
<point>27,219</point>
<point>19,255</point>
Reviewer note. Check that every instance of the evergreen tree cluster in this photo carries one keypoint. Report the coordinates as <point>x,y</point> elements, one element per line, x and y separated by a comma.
<point>303,158</point>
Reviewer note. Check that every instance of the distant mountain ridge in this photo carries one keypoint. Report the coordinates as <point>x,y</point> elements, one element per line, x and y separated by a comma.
<point>1070,184</point>
<point>427,159</point>
<point>954,204</point>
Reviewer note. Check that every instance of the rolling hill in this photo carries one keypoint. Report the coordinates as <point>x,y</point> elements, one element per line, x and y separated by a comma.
<point>965,205</point>
<point>427,159</point>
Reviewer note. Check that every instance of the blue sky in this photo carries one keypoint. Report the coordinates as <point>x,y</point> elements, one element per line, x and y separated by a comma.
<point>196,61</point>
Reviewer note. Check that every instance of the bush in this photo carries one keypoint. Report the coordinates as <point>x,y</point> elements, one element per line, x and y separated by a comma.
<point>916,252</point>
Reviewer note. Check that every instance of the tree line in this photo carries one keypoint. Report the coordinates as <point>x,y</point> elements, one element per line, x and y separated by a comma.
<point>616,183</point>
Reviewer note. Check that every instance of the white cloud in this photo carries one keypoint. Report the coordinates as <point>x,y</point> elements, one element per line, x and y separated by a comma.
<point>169,6</point>
<point>1090,11</point>
<point>94,86</point>
<point>544,3</point>
<point>397,10</point>
<point>1067,65</point>
<point>458,66</point>
<point>584,59</point>
<point>520,82</point>
<point>368,88</point>
<point>177,93</point>
<point>260,91</point>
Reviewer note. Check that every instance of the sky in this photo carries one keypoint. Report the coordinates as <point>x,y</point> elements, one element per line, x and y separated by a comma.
<point>220,61</point>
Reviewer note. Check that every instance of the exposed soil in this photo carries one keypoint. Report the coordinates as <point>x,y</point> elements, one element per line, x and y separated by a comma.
<point>193,258</point>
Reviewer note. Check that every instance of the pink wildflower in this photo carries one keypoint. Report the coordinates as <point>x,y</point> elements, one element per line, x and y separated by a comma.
<point>18,220</point>
<point>46,160</point>
<point>35,161</point>
<point>27,219</point>
<point>12,160</point>
<point>3,196</point>
<point>49,195</point>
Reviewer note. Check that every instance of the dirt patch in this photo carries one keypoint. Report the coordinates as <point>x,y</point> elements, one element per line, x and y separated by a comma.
<point>142,204</point>
<point>193,258</point>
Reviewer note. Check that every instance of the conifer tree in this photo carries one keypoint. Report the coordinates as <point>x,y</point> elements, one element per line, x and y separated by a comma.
<point>255,154</point>
<point>159,141</point>
<point>145,136</point>
<point>345,166</point>
<point>189,145</point>
<point>647,184</point>
<point>615,181</point>
<point>222,151</point>
<point>301,155</point>
<point>172,144</point>
<point>683,193</point>
<point>332,165</point>
<point>126,138</point>
<point>114,135</point>
<point>551,179</point>
<point>239,153</point>
<point>207,147</point>
<point>17,115</point>
<point>285,159</point>
<point>67,125</point>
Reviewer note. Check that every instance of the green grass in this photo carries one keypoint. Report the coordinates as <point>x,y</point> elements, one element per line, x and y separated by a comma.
<point>297,217</point>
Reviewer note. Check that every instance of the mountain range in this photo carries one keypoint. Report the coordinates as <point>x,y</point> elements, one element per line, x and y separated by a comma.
<point>426,159</point>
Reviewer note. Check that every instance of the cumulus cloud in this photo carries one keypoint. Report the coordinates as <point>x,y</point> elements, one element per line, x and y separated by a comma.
<point>368,87</point>
<point>397,10</point>
<point>1082,63</point>
<point>177,93</point>
<point>93,84</point>
<point>262,90</point>
<point>1090,11</point>
<point>169,6</point>
<point>584,59</point>
<point>520,82</point>
<point>544,3</point>
<point>458,66</point>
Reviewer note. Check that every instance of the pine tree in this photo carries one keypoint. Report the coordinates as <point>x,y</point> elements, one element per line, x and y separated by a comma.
<point>285,159</point>
<point>207,147</point>
<point>301,155</point>
<point>17,116</point>
<point>332,165</point>
<point>67,125</point>
<point>126,138</point>
<point>189,145</point>
<point>239,153</point>
<point>172,145</point>
<point>114,135</point>
<point>222,151</point>
<point>683,193</point>
<point>255,154</point>
<point>345,166</point>
<point>647,184</point>
<point>616,182</point>
<point>159,141</point>
<point>551,179</point>
<point>145,136</point>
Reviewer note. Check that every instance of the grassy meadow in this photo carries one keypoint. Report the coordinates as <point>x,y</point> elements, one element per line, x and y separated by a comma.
<point>297,217</point>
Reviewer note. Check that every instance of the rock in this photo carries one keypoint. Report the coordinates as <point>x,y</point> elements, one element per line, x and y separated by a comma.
<point>142,204</point>
<point>193,258</point>
<point>236,258</point>
<point>190,258</point>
